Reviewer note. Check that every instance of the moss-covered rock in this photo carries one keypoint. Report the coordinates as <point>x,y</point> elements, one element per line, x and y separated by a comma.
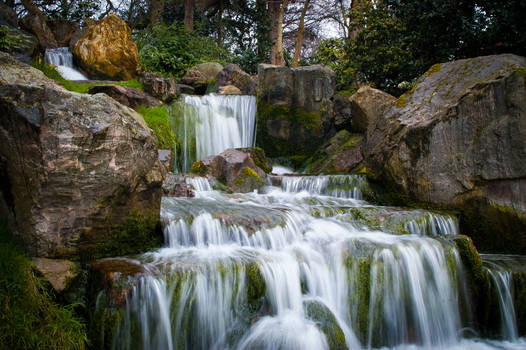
<point>327,323</point>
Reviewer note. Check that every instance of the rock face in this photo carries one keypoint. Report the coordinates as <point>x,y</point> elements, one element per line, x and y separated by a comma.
<point>73,167</point>
<point>458,139</point>
<point>295,109</point>
<point>236,168</point>
<point>232,75</point>
<point>341,154</point>
<point>165,89</point>
<point>107,50</point>
<point>41,30</point>
<point>201,75</point>
<point>367,105</point>
<point>56,271</point>
<point>128,96</point>
<point>342,112</point>
<point>63,31</point>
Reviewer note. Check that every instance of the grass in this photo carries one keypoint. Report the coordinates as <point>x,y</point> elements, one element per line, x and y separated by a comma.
<point>158,120</point>
<point>50,72</point>
<point>29,317</point>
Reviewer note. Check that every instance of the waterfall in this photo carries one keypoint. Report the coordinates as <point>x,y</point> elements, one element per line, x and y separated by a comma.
<point>62,58</point>
<point>211,124</point>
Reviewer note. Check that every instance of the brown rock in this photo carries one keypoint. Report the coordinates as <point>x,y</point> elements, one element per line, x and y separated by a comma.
<point>63,31</point>
<point>229,90</point>
<point>56,271</point>
<point>342,112</point>
<point>176,186</point>
<point>367,105</point>
<point>165,89</point>
<point>86,164</point>
<point>201,75</point>
<point>232,75</point>
<point>166,158</point>
<point>128,96</point>
<point>41,30</point>
<point>107,50</point>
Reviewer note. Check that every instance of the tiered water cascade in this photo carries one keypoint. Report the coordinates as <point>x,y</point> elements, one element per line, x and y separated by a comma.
<point>308,264</point>
<point>62,58</point>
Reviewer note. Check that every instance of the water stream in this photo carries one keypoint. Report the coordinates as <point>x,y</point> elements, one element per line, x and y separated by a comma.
<point>306,264</point>
<point>62,58</point>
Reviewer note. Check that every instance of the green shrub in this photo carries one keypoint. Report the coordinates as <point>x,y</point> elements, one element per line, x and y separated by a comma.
<point>50,72</point>
<point>29,318</point>
<point>158,120</point>
<point>172,50</point>
<point>12,42</point>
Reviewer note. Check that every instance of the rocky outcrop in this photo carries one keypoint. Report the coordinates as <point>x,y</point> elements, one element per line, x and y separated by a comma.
<point>229,90</point>
<point>165,89</point>
<point>107,50</point>
<point>295,109</point>
<point>56,271</point>
<point>26,43</point>
<point>341,154</point>
<point>232,75</point>
<point>367,105</point>
<point>236,168</point>
<point>342,112</point>
<point>63,31</point>
<point>175,185</point>
<point>79,173</point>
<point>38,26</point>
<point>458,139</point>
<point>128,96</point>
<point>201,75</point>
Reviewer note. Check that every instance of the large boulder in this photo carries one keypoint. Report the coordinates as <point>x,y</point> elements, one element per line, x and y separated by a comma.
<point>235,168</point>
<point>79,173</point>
<point>367,105</point>
<point>458,139</point>
<point>107,50</point>
<point>63,31</point>
<point>128,96</point>
<point>38,26</point>
<point>201,75</point>
<point>232,75</point>
<point>295,109</point>
<point>165,89</point>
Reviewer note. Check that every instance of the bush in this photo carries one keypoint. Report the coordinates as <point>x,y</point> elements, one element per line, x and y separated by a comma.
<point>172,50</point>
<point>10,42</point>
<point>29,318</point>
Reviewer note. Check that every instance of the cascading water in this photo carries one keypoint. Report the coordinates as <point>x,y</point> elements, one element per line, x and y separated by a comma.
<point>212,124</point>
<point>298,268</point>
<point>63,59</point>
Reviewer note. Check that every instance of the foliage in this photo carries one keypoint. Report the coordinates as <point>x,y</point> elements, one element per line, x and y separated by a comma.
<point>71,10</point>
<point>51,72</point>
<point>172,50</point>
<point>29,318</point>
<point>330,52</point>
<point>158,120</point>
<point>10,42</point>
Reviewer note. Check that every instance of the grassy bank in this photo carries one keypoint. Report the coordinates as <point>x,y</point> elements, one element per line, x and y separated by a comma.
<point>29,317</point>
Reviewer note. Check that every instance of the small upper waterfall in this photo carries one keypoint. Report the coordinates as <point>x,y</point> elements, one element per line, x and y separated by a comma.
<point>63,59</point>
<point>212,124</point>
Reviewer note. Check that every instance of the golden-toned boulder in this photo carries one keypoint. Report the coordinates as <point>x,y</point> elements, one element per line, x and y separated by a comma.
<point>107,50</point>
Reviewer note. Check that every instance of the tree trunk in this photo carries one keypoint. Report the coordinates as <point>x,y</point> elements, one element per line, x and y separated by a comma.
<point>276,32</point>
<point>39,27</point>
<point>189,8</point>
<point>262,29</point>
<point>156,11</point>
<point>299,39</point>
<point>220,23</point>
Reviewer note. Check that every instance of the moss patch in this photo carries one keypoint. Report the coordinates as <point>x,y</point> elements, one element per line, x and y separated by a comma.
<point>198,168</point>
<point>29,317</point>
<point>158,120</point>
<point>247,181</point>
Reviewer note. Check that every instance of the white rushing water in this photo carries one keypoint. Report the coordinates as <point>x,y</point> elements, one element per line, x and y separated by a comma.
<point>212,124</point>
<point>300,267</point>
<point>62,58</point>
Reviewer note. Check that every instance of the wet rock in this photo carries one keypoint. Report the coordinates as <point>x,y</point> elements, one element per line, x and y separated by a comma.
<point>185,89</point>
<point>107,50</point>
<point>229,90</point>
<point>87,164</point>
<point>327,323</point>
<point>166,158</point>
<point>458,139</point>
<point>367,105</point>
<point>201,75</point>
<point>165,89</point>
<point>341,154</point>
<point>235,168</point>
<point>176,186</point>
<point>128,96</point>
<point>56,271</point>
<point>295,109</point>
<point>232,75</point>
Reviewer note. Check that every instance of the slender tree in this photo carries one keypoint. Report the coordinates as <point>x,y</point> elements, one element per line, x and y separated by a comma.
<point>299,38</point>
<point>189,9</point>
<point>276,12</point>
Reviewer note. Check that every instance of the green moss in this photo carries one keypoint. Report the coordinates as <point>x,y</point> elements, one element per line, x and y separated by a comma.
<point>259,157</point>
<point>30,318</point>
<point>248,180</point>
<point>139,233</point>
<point>103,326</point>
<point>255,287</point>
<point>158,120</point>
<point>434,69</point>
<point>198,168</point>
<point>327,323</point>
<point>50,72</point>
